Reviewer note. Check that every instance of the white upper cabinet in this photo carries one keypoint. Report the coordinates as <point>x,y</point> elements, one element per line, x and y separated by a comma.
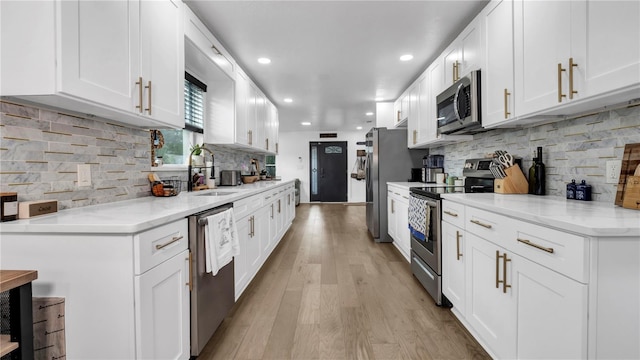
<point>558,58</point>
<point>609,47</point>
<point>464,54</point>
<point>162,70</point>
<point>121,60</point>
<point>497,75</point>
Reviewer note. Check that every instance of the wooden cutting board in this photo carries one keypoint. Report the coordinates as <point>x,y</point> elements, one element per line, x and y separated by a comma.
<point>630,161</point>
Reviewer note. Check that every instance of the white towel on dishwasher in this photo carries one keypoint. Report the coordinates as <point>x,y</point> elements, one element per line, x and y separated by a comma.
<point>221,242</point>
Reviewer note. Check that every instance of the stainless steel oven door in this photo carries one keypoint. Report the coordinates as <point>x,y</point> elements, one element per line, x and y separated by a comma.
<point>429,249</point>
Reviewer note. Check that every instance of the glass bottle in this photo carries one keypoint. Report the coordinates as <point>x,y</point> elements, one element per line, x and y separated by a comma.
<point>532,175</point>
<point>540,186</point>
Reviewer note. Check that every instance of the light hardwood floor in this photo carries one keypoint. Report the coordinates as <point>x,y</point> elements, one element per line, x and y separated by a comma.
<point>329,292</point>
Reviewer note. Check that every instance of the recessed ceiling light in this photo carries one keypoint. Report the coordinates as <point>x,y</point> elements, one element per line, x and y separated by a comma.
<point>379,98</point>
<point>264,60</point>
<point>305,123</point>
<point>406,57</point>
<point>369,113</point>
<point>359,128</point>
<point>288,100</point>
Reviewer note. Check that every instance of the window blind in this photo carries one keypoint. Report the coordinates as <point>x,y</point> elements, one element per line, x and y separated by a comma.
<point>194,91</point>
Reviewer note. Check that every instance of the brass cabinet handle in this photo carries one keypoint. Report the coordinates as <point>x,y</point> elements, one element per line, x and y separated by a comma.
<point>453,73</point>
<point>488,226</point>
<point>393,211</point>
<point>398,116</point>
<point>560,94</point>
<point>450,213</point>
<point>571,66</point>
<point>139,83</point>
<point>190,282</point>
<point>267,143</point>
<point>174,239</point>
<point>527,242</point>
<point>505,260</point>
<point>415,135</point>
<point>279,207</point>
<point>149,97</point>
<point>456,71</point>
<point>272,211</point>
<point>497,269</point>
<point>276,148</point>
<point>458,253</point>
<point>506,103</point>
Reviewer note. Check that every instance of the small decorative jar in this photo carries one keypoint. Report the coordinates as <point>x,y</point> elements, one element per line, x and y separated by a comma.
<point>571,189</point>
<point>583,191</point>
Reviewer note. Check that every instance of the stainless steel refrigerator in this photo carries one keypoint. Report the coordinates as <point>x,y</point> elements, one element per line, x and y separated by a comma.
<point>388,159</point>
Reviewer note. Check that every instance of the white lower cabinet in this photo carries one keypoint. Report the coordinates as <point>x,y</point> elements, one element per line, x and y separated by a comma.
<point>398,219</point>
<point>515,285</point>
<point>454,265</point>
<point>262,224</point>
<point>162,310</point>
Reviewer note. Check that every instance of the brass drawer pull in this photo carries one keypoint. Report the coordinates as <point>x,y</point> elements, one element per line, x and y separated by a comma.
<point>506,104</point>
<point>190,283</point>
<point>488,226</point>
<point>450,213</point>
<point>527,242</point>
<point>139,83</point>
<point>149,96</point>
<point>174,239</point>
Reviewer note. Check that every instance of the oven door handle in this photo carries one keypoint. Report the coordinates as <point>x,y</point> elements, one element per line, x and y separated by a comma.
<point>430,203</point>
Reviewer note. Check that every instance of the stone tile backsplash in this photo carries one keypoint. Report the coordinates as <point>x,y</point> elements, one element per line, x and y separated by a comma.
<point>571,149</point>
<point>40,150</point>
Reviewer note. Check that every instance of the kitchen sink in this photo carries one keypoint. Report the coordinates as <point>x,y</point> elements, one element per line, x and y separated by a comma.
<point>217,193</point>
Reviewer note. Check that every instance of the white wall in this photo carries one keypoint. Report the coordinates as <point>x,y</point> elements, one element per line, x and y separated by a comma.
<point>293,160</point>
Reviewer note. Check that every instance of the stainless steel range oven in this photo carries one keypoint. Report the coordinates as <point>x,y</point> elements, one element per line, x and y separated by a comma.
<point>426,242</point>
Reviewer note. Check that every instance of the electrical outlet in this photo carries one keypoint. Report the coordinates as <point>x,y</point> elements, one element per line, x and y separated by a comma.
<point>613,171</point>
<point>84,175</point>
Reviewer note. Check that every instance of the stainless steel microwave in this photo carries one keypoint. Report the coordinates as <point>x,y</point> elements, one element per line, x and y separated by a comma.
<point>458,107</point>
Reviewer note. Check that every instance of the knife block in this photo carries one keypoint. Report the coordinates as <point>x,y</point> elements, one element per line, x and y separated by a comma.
<point>513,183</point>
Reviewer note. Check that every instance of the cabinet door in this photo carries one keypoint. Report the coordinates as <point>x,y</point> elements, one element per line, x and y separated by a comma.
<point>242,107</point>
<point>403,236</point>
<point>263,217</point>
<point>424,109</point>
<point>497,76</point>
<point>552,310</point>
<point>99,51</point>
<point>162,310</point>
<point>490,311</point>
<point>414,115</point>
<point>241,262</point>
<point>252,104</point>
<point>453,265</point>
<point>162,58</point>
<point>543,40</point>
<point>436,81</point>
<point>611,45</point>
<point>391,215</point>
<point>451,63</point>
<point>254,247</point>
<point>471,48</point>
<point>273,222</point>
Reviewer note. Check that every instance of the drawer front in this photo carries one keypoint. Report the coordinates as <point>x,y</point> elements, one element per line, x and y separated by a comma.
<point>453,213</point>
<point>246,206</point>
<point>159,244</point>
<point>487,225</point>
<point>565,253</point>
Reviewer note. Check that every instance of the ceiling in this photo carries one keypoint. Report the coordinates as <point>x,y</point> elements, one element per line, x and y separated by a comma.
<point>333,58</point>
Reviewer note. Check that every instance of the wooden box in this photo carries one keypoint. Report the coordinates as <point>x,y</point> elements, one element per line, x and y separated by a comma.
<point>514,183</point>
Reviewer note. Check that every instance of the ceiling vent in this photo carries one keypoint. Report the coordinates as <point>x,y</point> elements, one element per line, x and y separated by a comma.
<point>328,135</point>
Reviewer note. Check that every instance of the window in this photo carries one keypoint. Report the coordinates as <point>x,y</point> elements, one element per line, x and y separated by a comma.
<point>177,142</point>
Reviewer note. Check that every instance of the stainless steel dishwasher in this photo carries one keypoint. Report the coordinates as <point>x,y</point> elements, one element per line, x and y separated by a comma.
<point>211,296</point>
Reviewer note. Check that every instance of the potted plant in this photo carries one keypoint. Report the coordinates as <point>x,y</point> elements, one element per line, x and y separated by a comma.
<point>196,151</point>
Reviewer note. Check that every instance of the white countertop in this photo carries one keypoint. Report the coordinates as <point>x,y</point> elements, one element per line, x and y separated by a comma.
<point>581,217</point>
<point>132,216</point>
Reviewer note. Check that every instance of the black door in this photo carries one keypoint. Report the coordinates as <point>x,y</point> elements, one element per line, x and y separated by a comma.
<point>328,171</point>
